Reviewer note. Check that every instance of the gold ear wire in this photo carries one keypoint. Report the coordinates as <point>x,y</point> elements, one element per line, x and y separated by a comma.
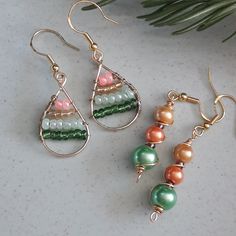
<point>50,58</point>
<point>93,45</point>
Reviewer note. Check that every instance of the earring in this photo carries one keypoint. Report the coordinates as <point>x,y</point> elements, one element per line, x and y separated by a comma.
<point>61,120</point>
<point>111,94</point>
<point>163,196</point>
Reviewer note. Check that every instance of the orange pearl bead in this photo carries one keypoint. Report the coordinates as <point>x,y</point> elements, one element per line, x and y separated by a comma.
<point>183,153</point>
<point>174,174</point>
<point>164,115</point>
<point>155,134</point>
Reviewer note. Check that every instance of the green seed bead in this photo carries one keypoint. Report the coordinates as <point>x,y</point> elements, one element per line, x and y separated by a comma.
<point>145,156</point>
<point>163,196</point>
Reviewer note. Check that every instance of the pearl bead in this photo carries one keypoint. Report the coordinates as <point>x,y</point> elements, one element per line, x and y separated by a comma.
<point>130,94</point>
<point>164,115</point>
<point>98,100</point>
<point>125,96</point>
<point>58,105</point>
<point>111,99</point>
<point>174,174</point>
<point>183,153</point>
<point>59,124</point>
<point>104,100</point>
<point>45,124</point>
<point>102,81</point>
<point>80,125</point>
<point>74,124</point>
<point>53,124</point>
<point>155,134</point>
<point>145,156</point>
<point>66,105</point>
<point>67,125</point>
<point>163,196</point>
<point>118,97</point>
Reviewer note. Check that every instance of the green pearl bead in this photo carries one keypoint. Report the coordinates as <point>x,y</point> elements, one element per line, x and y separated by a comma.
<point>163,196</point>
<point>145,156</point>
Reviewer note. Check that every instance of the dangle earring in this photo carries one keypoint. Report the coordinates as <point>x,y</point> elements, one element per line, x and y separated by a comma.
<point>163,196</point>
<point>112,94</point>
<point>61,120</point>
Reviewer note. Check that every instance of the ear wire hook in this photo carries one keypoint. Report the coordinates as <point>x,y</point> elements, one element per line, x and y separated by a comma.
<point>50,58</point>
<point>93,45</point>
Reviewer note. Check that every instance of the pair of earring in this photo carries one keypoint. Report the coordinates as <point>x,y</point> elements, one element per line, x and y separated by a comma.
<point>112,94</point>
<point>163,196</point>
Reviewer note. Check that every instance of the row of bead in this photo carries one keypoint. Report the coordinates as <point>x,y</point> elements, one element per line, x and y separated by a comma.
<point>65,135</point>
<point>120,108</point>
<point>71,124</point>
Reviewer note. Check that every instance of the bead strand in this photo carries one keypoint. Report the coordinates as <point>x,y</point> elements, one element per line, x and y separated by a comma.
<point>65,135</point>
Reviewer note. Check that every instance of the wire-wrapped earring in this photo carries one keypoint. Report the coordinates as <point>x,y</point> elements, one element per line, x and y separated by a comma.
<point>61,120</point>
<point>112,93</point>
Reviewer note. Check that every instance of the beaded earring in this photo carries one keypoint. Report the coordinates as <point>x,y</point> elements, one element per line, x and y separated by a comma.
<point>112,94</point>
<point>61,120</point>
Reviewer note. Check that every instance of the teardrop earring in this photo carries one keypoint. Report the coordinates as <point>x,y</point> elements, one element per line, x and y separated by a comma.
<point>112,94</point>
<point>61,120</point>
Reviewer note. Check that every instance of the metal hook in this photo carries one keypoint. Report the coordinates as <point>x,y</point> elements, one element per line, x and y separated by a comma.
<point>50,58</point>
<point>93,45</point>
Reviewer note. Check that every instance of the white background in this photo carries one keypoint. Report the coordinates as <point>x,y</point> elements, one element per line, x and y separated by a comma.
<point>95,193</point>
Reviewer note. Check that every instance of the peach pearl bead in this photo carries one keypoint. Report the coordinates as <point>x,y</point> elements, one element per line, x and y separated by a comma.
<point>102,81</point>
<point>164,115</point>
<point>155,134</point>
<point>183,153</point>
<point>58,105</point>
<point>109,78</point>
<point>174,174</point>
<point>66,105</point>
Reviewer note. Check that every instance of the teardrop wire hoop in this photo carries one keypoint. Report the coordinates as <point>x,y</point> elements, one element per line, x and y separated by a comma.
<point>123,80</point>
<point>61,80</point>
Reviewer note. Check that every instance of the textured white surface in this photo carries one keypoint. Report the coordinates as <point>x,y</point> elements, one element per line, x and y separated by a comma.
<point>95,193</point>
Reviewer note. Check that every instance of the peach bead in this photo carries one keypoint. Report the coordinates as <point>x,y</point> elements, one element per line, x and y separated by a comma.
<point>66,105</point>
<point>183,153</point>
<point>109,78</point>
<point>174,174</point>
<point>102,81</point>
<point>58,105</point>
<point>164,115</point>
<point>155,134</point>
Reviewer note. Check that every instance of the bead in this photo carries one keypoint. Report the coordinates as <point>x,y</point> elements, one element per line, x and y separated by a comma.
<point>74,123</point>
<point>174,174</point>
<point>67,125</point>
<point>183,153</point>
<point>130,94</point>
<point>80,125</point>
<point>59,124</point>
<point>102,81</point>
<point>145,156</point>
<point>58,105</point>
<point>109,78</point>
<point>111,99</point>
<point>66,105</point>
<point>118,97</point>
<point>164,115</point>
<point>53,124</point>
<point>155,134</point>
<point>104,100</point>
<point>125,96</point>
<point>163,196</point>
<point>45,124</point>
<point>98,100</point>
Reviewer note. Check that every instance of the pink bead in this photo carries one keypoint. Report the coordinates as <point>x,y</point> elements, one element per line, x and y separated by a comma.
<point>58,105</point>
<point>102,81</point>
<point>66,105</point>
<point>109,78</point>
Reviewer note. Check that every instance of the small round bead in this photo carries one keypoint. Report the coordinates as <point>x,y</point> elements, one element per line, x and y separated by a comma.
<point>163,196</point>
<point>67,125</point>
<point>164,115</point>
<point>74,124</point>
<point>125,96</point>
<point>174,174</point>
<point>58,105</point>
<point>102,81</point>
<point>45,124</point>
<point>155,134</point>
<point>66,105</point>
<point>183,153</point>
<point>118,97</point>
<point>111,99</point>
<point>145,156</point>
<point>80,125</point>
<point>130,94</point>
<point>59,124</point>
<point>104,100</point>
<point>53,124</point>
<point>109,78</point>
<point>98,100</point>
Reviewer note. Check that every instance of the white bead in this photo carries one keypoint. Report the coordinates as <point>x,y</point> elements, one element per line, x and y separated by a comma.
<point>118,97</point>
<point>67,125</point>
<point>45,124</point>
<point>125,96</point>
<point>80,125</point>
<point>53,124</point>
<point>111,99</point>
<point>74,124</point>
<point>104,100</point>
<point>59,124</point>
<point>130,94</point>
<point>98,100</point>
